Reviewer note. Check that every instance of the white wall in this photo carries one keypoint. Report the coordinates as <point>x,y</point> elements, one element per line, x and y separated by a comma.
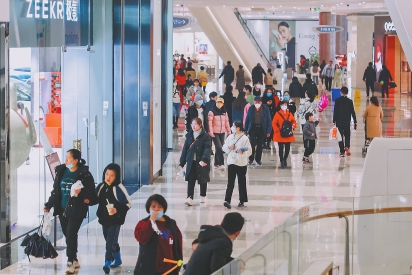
<point>260,31</point>
<point>306,39</point>
<point>4,11</point>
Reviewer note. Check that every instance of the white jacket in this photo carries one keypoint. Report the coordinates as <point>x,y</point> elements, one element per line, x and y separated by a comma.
<point>240,141</point>
<point>307,107</point>
<point>176,95</point>
<point>278,75</point>
<point>312,73</point>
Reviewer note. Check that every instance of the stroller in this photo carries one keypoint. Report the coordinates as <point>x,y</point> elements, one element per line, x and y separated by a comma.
<point>366,144</point>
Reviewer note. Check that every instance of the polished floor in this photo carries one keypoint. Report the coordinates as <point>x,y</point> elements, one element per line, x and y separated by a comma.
<point>274,194</point>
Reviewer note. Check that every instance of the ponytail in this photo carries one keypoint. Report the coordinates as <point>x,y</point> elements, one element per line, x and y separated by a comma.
<point>76,154</point>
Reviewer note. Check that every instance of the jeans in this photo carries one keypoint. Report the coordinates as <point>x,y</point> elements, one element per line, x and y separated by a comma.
<point>315,79</point>
<point>70,228</point>
<point>344,131</point>
<point>309,147</point>
<point>176,109</point>
<point>111,235</point>
<point>385,87</point>
<point>286,147</point>
<point>328,83</point>
<point>191,181</point>
<point>256,137</point>
<point>219,140</point>
<point>240,172</point>
<point>371,86</point>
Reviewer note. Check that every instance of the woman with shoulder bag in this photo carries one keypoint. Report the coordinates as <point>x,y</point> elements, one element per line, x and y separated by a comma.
<point>71,205</point>
<point>238,148</point>
<point>196,154</point>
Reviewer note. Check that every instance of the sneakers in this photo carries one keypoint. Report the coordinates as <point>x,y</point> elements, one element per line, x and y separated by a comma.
<point>106,267</point>
<point>347,151</point>
<point>227,205</point>
<point>202,199</point>
<point>76,264</point>
<point>305,160</point>
<point>285,164</point>
<point>70,268</point>
<point>241,204</point>
<point>258,163</point>
<point>117,260</point>
<point>189,201</point>
<point>250,162</point>
<point>282,166</point>
<point>342,155</point>
<point>221,167</point>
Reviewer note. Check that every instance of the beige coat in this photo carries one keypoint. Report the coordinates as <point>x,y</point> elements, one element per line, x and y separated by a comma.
<point>373,116</point>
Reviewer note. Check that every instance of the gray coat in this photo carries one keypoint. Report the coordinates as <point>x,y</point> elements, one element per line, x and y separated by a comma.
<point>240,79</point>
<point>308,129</point>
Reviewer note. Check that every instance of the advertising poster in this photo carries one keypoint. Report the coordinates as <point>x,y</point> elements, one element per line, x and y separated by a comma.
<point>379,47</point>
<point>307,41</point>
<point>282,36</point>
<point>260,31</point>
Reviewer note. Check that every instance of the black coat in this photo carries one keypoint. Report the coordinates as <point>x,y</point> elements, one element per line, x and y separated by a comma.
<point>202,147</point>
<point>369,76</point>
<point>385,76</point>
<point>343,111</point>
<point>295,89</point>
<point>193,113</point>
<point>228,97</point>
<point>257,74</point>
<point>229,74</point>
<point>76,207</point>
<point>310,87</point>
<point>212,253</point>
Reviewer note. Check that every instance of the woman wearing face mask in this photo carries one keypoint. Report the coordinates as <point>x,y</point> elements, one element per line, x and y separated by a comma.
<point>307,105</point>
<point>196,155</point>
<point>159,238</point>
<point>291,103</point>
<point>283,142</point>
<point>71,206</point>
<point>177,97</point>
<point>272,101</point>
<point>257,89</point>
<point>194,111</point>
<point>238,149</point>
<point>194,90</point>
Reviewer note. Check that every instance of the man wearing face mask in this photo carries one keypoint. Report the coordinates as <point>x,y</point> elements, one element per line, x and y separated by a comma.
<point>258,127</point>
<point>257,74</point>
<point>257,89</point>
<point>196,110</point>
<point>215,245</point>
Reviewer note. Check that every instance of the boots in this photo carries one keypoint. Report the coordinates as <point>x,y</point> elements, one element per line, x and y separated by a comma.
<point>106,267</point>
<point>117,260</point>
<point>175,119</point>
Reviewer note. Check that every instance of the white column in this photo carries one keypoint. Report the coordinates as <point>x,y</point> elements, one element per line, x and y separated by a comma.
<point>5,11</point>
<point>365,29</point>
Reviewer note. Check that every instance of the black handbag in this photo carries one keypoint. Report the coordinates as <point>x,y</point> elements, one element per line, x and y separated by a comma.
<point>393,84</point>
<point>38,246</point>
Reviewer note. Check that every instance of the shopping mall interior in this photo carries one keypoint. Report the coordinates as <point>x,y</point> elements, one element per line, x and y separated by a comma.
<point>96,76</point>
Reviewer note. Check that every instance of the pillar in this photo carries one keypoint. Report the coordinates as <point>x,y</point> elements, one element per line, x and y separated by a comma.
<point>327,41</point>
<point>341,37</point>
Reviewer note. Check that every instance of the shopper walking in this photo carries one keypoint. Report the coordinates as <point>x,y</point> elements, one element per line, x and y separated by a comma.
<point>369,77</point>
<point>337,77</point>
<point>314,71</point>
<point>250,97</point>
<point>193,91</point>
<point>196,155</point>
<point>257,89</point>
<point>309,136</point>
<point>291,103</point>
<point>296,90</point>
<point>190,71</point>
<point>218,120</point>
<point>113,203</point>
<point>310,87</point>
<point>238,149</point>
<point>197,110</point>
<point>373,118</point>
<point>283,120</point>
<point>159,238</point>
<point>202,76</point>
<point>322,66</point>
<point>228,97</point>
<point>177,98</point>
<point>71,206</point>
<point>257,74</point>
<point>240,78</point>
<point>268,79</point>
<point>228,73</point>
<point>238,107</point>
<point>307,105</point>
<point>271,100</point>
<point>208,107</point>
<point>342,114</point>
<point>328,74</point>
<point>181,81</point>
<point>278,76</point>
<point>258,128</point>
<point>384,78</point>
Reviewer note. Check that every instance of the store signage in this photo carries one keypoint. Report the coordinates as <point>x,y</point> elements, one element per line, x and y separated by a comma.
<point>389,27</point>
<point>52,9</point>
<point>179,22</point>
<point>327,29</point>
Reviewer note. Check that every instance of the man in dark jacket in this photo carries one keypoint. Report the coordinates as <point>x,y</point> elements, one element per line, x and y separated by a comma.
<point>258,126</point>
<point>229,73</point>
<point>369,77</point>
<point>384,78</point>
<point>215,245</point>
<point>196,110</point>
<point>310,87</point>
<point>295,90</point>
<point>228,97</point>
<point>257,74</point>
<point>342,114</point>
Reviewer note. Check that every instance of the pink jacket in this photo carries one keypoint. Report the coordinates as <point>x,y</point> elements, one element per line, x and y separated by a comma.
<point>245,110</point>
<point>218,124</point>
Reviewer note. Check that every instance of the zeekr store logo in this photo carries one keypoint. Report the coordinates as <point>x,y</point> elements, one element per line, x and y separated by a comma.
<point>52,9</point>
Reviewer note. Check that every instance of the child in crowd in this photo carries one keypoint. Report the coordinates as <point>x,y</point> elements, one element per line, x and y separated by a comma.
<point>309,136</point>
<point>114,202</point>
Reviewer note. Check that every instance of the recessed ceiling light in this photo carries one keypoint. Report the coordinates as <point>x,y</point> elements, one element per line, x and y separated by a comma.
<point>321,5</point>
<point>298,8</point>
<point>224,6</point>
<point>284,11</point>
<point>252,7</point>
<point>267,12</point>
<point>177,5</point>
<point>273,7</point>
<point>294,7</point>
<point>280,5</point>
<point>293,12</point>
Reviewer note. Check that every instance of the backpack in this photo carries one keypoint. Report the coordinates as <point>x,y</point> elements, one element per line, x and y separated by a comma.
<point>315,69</point>
<point>286,129</point>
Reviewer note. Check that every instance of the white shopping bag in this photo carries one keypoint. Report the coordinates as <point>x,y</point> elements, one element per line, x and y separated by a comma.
<point>333,133</point>
<point>47,224</point>
<point>75,186</point>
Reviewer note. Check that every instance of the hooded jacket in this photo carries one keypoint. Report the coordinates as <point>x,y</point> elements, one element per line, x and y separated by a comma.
<point>213,252</point>
<point>257,74</point>
<point>229,74</point>
<point>193,113</point>
<point>295,88</point>
<point>369,76</point>
<point>116,194</point>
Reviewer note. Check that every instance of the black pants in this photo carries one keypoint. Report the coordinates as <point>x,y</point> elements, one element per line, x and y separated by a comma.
<point>70,228</point>
<point>240,172</point>
<point>284,146</point>
<point>269,139</point>
<point>204,88</point>
<point>309,147</point>
<point>192,181</point>
<point>303,136</point>
<point>328,83</point>
<point>184,91</point>
<point>111,235</point>
<point>344,131</point>
<point>219,140</point>
<point>256,138</point>
<point>370,86</point>
<point>385,87</point>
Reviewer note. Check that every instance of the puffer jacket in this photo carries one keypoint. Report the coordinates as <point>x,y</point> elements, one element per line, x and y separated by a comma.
<point>241,141</point>
<point>307,107</point>
<point>218,120</point>
<point>268,79</point>
<point>277,123</point>
<point>308,129</point>
<point>195,90</point>
<point>295,88</point>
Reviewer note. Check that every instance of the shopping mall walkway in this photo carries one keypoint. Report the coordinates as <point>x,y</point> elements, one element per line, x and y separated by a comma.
<point>274,194</point>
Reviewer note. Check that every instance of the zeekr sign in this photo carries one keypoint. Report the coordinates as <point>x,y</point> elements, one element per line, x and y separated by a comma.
<point>53,9</point>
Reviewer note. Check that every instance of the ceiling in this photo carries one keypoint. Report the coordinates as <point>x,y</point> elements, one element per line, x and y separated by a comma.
<point>298,9</point>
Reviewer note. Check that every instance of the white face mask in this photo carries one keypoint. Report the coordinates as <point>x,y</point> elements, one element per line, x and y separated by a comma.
<point>258,86</point>
<point>200,102</point>
<point>175,84</point>
<point>257,105</point>
<point>284,107</point>
<point>233,129</point>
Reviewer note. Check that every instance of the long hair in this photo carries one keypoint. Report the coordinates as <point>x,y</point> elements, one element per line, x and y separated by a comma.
<point>374,101</point>
<point>240,101</point>
<point>181,72</point>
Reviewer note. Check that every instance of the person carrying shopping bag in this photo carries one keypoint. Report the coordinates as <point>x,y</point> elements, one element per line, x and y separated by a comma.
<point>238,149</point>
<point>196,155</point>
<point>307,105</point>
<point>71,205</point>
<point>113,203</point>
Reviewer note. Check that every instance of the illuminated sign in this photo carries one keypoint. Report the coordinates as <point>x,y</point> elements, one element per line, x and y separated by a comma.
<point>52,9</point>
<point>327,29</point>
<point>389,27</point>
<point>179,22</point>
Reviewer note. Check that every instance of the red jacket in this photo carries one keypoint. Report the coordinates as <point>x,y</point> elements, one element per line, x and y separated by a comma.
<point>277,124</point>
<point>181,79</point>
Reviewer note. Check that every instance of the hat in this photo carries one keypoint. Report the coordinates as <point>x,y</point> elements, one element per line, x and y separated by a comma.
<point>198,97</point>
<point>258,98</point>
<point>220,99</point>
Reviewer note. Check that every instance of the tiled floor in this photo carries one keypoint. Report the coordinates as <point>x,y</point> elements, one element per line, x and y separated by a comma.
<point>274,194</point>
